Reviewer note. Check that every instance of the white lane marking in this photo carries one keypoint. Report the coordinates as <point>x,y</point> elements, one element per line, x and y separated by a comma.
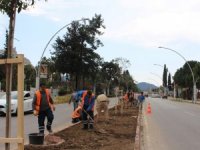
<point>189,113</point>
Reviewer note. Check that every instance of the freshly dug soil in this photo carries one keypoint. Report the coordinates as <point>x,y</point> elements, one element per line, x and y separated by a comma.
<point>116,134</point>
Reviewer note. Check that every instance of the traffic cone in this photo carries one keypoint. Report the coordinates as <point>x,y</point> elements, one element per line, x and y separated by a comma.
<point>149,109</point>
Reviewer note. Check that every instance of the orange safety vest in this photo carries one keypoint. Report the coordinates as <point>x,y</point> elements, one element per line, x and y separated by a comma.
<point>39,98</point>
<point>84,94</point>
<point>83,99</point>
<point>125,97</point>
<point>76,113</point>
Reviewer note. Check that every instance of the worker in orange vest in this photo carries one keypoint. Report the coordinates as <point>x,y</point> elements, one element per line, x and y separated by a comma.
<point>88,102</point>
<point>43,107</point>
<point>125,98</point>
<point>76,115</point>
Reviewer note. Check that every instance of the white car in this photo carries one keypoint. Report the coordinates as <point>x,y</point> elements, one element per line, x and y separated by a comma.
<point>27,102</point>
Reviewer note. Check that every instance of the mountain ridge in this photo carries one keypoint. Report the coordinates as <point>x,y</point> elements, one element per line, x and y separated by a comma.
<point>144,86</point>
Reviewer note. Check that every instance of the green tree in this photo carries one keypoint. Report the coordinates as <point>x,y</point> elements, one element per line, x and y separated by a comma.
<point>127,82</point>
<point>75,54</point>
<point>197,74</point>
<point>124,63</point>
<point>169,82</point>
<point>2,67</point>
<point>183,76</point>
<point>165,76</point>
<point>50,66</point>
<point>184,79</point>
<point>10,7</point>
<point>179,77</point>
<point>30,75</point>
<point>110,71</point>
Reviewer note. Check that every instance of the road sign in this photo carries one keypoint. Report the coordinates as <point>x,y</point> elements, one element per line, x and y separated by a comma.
<point>43,71</point>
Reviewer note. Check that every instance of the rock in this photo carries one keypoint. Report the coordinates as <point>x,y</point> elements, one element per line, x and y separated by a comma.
<point>52,139</point>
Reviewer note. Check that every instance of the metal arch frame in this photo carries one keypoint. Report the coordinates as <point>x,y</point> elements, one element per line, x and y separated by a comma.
<point>39,64</point>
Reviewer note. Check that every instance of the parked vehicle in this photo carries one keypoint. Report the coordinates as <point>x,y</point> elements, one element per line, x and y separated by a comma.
<point>155,95</point>
<point>164,97</point>
<point>14,105</point>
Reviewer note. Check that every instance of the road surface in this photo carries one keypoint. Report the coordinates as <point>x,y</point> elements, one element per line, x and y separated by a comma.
<point>62,119</point>
<point>171,125</point>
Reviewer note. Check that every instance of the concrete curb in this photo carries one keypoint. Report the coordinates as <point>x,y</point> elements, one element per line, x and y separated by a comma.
<point>137,144</point>
<point>183,100</point>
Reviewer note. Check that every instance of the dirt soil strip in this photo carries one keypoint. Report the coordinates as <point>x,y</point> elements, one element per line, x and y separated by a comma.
<point>116,134</point>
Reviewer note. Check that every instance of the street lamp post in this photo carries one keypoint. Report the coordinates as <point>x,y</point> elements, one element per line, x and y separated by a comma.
<point>158,84</point>
<point>194,82</point>
<point>159,78</point>
<point>156,75</point>
<point>158,65</point>
<point>112,77</point>
<point>39,64</point>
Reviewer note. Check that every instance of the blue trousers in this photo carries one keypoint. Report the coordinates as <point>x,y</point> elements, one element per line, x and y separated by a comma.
<point>75,104</point>
<point>87,119</point>
<point>41,119</point>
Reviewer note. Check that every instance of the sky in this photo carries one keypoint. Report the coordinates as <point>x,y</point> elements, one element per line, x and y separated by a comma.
<point>134,31</point>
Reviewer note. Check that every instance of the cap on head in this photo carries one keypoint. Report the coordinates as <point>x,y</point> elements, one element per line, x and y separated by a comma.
<point>42,84</point>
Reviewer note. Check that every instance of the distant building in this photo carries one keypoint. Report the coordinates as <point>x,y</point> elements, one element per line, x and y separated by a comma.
<point>14,54</point>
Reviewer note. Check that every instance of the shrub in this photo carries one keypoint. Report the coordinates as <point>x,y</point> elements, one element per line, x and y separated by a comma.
<point>62,91</point>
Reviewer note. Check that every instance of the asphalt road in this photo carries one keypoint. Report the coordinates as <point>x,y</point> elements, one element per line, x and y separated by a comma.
<point>171,125</point>
<point>62,119</point>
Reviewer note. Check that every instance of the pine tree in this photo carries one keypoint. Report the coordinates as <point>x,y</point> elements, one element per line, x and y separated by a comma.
<point>165,76</point>
<point>169,83</point>
<point>6,46</point>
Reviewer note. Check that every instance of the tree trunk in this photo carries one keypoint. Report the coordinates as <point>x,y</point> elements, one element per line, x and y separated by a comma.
<point>83,82</point>
<point>9,71</point>
<point>108,91</point>
<point>76,82</point>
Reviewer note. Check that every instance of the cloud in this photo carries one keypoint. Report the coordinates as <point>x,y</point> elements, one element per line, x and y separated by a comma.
<point>147,23</point>
<point>158,25</point>
<point>55,10</point>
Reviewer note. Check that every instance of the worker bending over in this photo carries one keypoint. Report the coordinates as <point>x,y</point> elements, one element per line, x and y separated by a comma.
<point>102,107</point>
<point>88,102</point>
<point>76,115</point>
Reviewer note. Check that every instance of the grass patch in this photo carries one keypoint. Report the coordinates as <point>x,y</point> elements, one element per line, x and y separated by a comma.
<point>62,99</point>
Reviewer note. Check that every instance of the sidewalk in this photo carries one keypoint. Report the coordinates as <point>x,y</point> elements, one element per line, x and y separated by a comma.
<point>183,100</point>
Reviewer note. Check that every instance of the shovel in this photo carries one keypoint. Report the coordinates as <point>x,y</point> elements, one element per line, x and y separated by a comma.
<point>88,114</point>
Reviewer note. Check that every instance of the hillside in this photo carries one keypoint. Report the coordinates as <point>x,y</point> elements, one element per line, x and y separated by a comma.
<point>144,86</point>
